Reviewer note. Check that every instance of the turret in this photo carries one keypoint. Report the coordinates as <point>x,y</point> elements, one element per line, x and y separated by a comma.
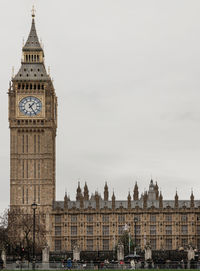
<point>78,192</point>
<point>156,190</point>
<point>145,197</point>
<point>97,198</point>
<point>65,201</point>
<point>81,201</point>
<point>176,200</point>
<point>129,200</point>
<point>192,200</point>
<point>106,193</point>
<point>86,192</point>
<point>160,201</point>
<point>113,201</point>
<point>136,192</point>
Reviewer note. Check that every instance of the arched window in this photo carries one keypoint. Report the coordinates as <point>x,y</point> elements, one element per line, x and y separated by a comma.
<point>30,86</point>
<point>38,86</point>
<point>34,86</point>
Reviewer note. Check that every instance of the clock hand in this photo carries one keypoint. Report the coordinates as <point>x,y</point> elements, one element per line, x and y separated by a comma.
<point>30,105</point>
<point>33,111</point>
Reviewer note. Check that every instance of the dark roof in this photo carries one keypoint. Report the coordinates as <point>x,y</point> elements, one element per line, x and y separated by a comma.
<point>32,42</point>
<point>32,71</point>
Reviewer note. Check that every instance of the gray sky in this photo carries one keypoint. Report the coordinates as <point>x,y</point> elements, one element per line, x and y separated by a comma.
<point>126,75</point>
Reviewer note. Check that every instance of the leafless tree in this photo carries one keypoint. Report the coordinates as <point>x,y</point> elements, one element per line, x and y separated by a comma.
<point>18,227</point>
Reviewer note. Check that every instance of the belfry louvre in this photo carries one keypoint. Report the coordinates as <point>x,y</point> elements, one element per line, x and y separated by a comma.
<point>92,222</point>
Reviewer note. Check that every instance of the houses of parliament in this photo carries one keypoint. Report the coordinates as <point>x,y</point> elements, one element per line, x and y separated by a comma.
<point>92,221</point>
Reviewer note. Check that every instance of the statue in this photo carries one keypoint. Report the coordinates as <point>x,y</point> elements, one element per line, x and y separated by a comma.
<point>120,252</point>
<point>76,253</point>
<point>148,253</point>
<point>45,257</point>
<point>3,257</point>
<point>191,253</point>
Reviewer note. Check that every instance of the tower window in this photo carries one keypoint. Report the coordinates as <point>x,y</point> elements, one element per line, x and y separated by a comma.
<point>23,144</point>
<point>27,84</point>
<point>34,168</point>
<point>23,169</point>
<point>34,192</point>
<point>30,86</point>
<point>27,195</point>
<point>27,169</point>
<point>38,193</point>
<point>26,143</point>
<point>42,86</point>
<point>34,86</point>
<point>35,75</point>
<point>39,169</point>
<point>18,86</point>
<point>34,143</point>
<point>22,86</point>
<point>38,86</point>
<point>22,194</point>
<point>35,58</point>
<point>39,143</point>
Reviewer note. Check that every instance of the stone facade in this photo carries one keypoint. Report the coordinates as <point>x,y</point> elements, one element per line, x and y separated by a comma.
<point>97,223</point>
<point>89,222</point>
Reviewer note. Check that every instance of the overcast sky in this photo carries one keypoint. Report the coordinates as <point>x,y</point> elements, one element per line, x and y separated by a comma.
<point>127,77</point>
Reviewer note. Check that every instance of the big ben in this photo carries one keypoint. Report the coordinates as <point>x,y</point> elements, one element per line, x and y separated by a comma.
<point>33,124</point>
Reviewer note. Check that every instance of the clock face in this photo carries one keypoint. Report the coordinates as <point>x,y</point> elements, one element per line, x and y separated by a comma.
<point>30,106</point>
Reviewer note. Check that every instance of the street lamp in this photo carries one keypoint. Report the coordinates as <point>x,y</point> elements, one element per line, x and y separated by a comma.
<point>135,222</point>
<point>34,207</point>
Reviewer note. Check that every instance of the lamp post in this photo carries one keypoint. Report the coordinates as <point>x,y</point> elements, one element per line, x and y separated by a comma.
<point>34,207</point>
<point>135,223</point>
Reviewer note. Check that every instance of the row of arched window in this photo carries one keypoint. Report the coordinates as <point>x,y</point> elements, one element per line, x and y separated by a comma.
<point>32,58</point>
<point>30,86</point>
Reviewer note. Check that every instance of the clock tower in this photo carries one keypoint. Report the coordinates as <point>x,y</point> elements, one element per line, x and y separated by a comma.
<point>33,124</point>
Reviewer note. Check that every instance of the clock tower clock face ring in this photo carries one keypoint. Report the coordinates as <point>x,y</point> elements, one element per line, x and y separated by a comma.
<point>30,106</point>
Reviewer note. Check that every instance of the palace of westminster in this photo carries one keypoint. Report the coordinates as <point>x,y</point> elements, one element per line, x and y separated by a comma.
<point>92,222</point>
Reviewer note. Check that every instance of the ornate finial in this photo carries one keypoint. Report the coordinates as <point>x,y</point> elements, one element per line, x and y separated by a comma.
<point>13,71</point>
<point>33,11</point>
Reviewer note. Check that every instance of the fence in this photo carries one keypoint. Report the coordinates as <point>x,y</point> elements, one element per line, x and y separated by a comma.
<point>25,265</point>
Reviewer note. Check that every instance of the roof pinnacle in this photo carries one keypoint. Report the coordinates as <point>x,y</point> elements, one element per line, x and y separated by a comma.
<point>33,11</point>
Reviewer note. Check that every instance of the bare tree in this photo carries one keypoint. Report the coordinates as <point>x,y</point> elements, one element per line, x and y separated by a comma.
<point>18,235</point>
